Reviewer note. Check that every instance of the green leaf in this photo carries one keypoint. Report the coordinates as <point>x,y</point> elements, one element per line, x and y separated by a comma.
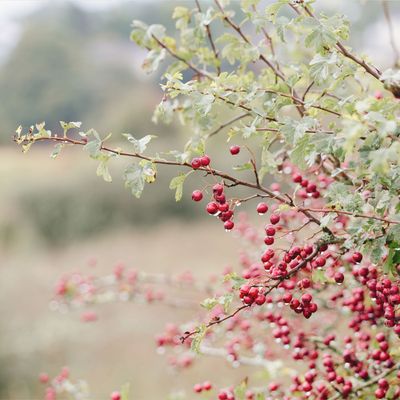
<point>198,338</point>
<point>125,391</point>
<point>177,184</point>
<point>235,278</point>
<point>243,167</point>
<point>320,37</point>
<point>240,390</point>
<point>318,276</point>
<point>57,150</point>
<point>153,60</point>
<point>68,125</point>
<point>273,9</point>
<point>139,145</point>
<point>134,180</point>
<point>209,303</point>
<point>102,170</point>
<point>299,155</point>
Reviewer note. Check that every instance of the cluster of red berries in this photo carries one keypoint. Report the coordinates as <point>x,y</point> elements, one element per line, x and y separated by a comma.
<point>220,207</point>
<point>270,230</point>
<point>304,306</point>
<point>310,188</point>
<point>251,294</point>
<point>290,261</point>
<point>332,376</point>
<point>199,162</point>
<point>200,387</point>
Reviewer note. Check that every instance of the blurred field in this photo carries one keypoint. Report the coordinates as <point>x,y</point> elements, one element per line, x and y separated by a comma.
<point>119,347</point>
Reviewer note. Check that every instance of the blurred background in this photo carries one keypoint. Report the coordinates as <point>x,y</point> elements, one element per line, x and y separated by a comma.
<point>73,61</point>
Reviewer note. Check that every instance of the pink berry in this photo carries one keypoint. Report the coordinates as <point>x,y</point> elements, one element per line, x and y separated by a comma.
<point>43,378</point>
<point>205,160</point>
<point>196,163</point>
<point>115,395</point>
<point>198,388</point>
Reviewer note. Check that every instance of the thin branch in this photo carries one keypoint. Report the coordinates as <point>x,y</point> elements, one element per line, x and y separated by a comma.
<point>355,215</point>
<point>188,63</point>
<point>370,382</point>
<point>385,6</point>
<point>372,70</point>
<point>277,73</point>
<point>207,170</point>
<point>227,123</point>
<point>214,49</point>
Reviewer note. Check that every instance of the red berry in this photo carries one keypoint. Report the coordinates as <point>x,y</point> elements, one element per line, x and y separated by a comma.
<point>287,298</point>
<point>234,150</point>
<point>212,208</point>
<point>306,298</point>
<point>197,195</point>
<point>268,240</point>
<point>357,257</point>
<point>218,189</point>
<point>275,218</point>
<point>339,277</point>
<point>228,225</point>
<point>270,231</point>
<point>320,261</point>
<point>262,208</point>
<point>223,207</point>
<point>205,160</point>
<point>297,178</point>
<point>222,396</point>
<point>196,163</point>
<point>260,300</point>
<point>207,385</point>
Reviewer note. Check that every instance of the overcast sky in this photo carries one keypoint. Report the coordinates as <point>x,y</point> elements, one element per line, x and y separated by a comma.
<point>376,40</point>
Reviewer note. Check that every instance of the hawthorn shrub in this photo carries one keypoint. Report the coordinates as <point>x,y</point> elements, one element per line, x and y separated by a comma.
<point>314,141</point>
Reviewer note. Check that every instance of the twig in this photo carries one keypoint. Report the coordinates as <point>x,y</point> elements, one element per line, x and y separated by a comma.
<point>227,123</point>
<point>214,49</point>
<point>385,6</point>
